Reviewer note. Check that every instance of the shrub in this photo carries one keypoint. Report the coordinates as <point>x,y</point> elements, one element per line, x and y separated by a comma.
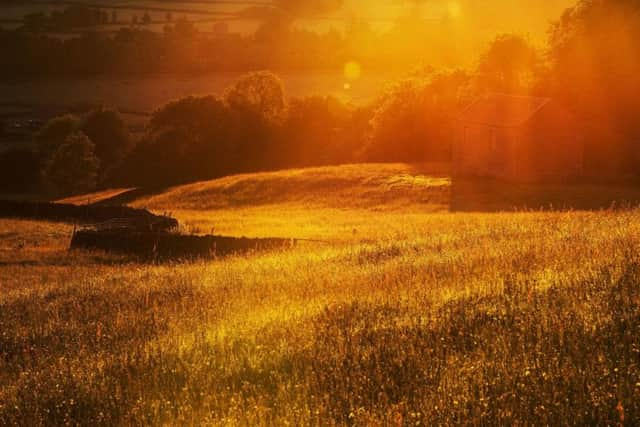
<point>54,134</point>
<point>108,131</point>
<point>73,167</point>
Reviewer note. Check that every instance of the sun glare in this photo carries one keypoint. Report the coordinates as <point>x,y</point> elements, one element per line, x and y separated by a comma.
<point>455,10</point>
<point>352,71</point>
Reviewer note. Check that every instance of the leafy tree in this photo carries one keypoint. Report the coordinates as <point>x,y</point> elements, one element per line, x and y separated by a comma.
<point>73,168</point>
<point>510,65</point>
<point>595,58</point>
<point>260,94</point>
<point>108,131</point>
<point>257,107</point>
<point>413,121</point>
<point>104,127</point>
<point>54,134</point>
<point>198,124</point>
<point>188,139</point>
<point>190,117</point>
<point>316,132</point>
<point>206,137</point>
<point>251,128</point>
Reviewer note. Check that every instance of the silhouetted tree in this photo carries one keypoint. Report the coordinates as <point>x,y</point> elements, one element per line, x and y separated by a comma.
<point>55,133</point>
<point>413,122</point>
<point>73,167</point>
<point>188,139</point>
<point>257,107</point>
<point>108,132</point>
<point>260,93</point>
<point>316,132</point>
<point>510,65</point>
<point>595,60</point>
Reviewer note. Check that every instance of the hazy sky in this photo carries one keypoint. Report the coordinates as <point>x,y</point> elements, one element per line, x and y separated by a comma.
<point>528,16</point>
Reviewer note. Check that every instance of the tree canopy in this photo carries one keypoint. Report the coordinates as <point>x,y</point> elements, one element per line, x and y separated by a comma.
<point>73,167</point>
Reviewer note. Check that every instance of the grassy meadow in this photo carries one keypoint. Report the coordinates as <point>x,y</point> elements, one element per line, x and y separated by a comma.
<point>396,311</point>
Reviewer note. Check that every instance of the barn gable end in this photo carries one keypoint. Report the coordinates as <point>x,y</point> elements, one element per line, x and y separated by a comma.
<point>516,138</point>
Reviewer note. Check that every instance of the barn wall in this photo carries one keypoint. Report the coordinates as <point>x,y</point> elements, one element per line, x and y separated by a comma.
<point>471,155</point>
<point>485,151</point>
<point>549,147</point>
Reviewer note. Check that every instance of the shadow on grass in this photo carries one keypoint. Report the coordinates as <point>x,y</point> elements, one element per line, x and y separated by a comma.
<point>484,195</point>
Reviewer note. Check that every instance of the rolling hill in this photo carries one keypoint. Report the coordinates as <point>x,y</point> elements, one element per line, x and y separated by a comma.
<point>370,186</point>
<point>337,202</point>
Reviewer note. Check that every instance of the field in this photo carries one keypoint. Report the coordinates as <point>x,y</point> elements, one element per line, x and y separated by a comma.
<point>412,303</point>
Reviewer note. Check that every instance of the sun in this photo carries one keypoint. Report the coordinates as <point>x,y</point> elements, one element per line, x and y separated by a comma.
<point>352,71</point>
<point>455,10</point>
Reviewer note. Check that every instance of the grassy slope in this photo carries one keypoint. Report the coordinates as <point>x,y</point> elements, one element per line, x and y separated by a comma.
<point>331,203</point>
<point>370,186</point>
<point>440,318</point>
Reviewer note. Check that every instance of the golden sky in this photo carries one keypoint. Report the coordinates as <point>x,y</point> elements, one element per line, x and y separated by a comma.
<point>498,16</point>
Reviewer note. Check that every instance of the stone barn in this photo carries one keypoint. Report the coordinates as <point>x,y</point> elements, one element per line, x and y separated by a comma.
<point>517,138</point>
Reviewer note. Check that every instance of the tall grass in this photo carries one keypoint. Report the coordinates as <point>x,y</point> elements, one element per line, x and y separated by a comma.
<point>481,319</point>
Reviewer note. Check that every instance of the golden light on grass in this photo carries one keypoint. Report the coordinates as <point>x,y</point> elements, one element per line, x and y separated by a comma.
<point>485,318</point>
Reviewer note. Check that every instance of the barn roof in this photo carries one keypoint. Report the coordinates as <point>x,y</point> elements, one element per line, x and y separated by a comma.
<point>502,110</point>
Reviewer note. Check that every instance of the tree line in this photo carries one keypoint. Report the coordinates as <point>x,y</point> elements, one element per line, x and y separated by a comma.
<point>89,47</point>
<point>180,47</point>
<point>590,65</point>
